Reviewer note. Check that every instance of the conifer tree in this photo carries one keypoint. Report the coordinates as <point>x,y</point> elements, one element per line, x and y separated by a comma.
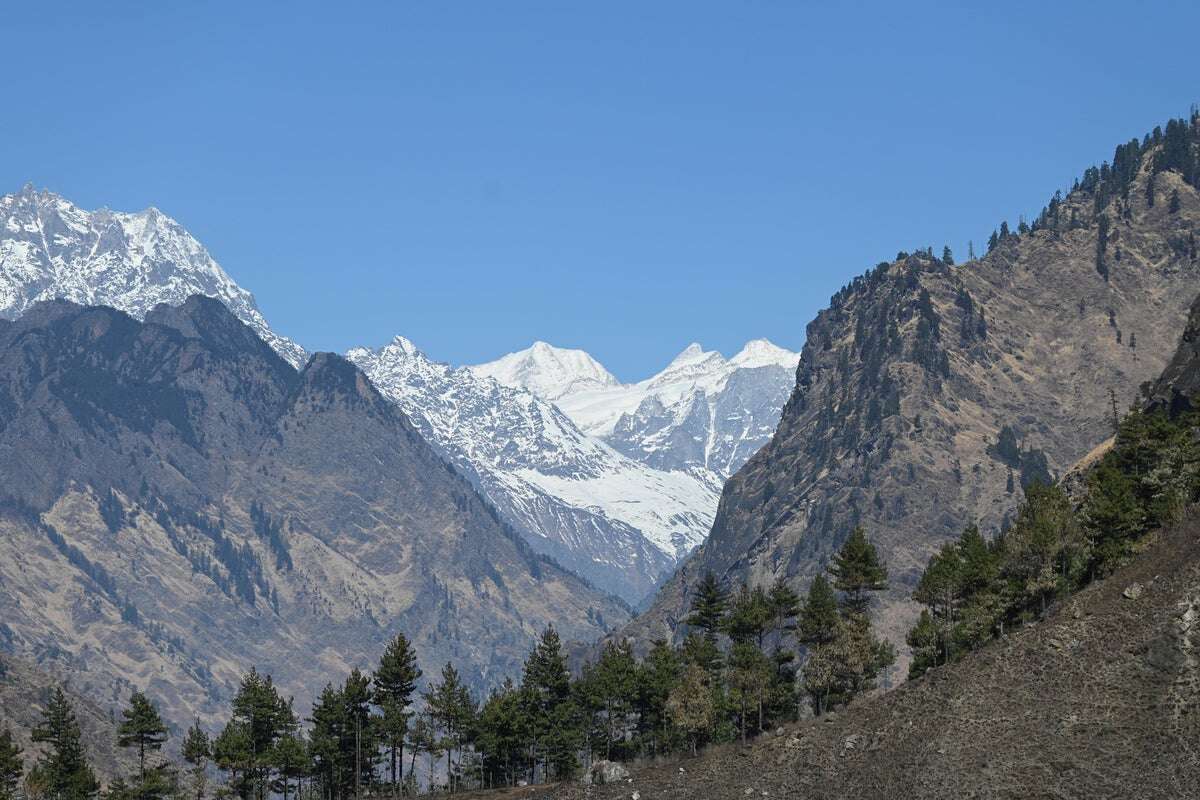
<point>292,763</point>
<point>395,682</point>
<point>63,768</point>
<point>502,734</point>
<point>615,681</point>
<point>784,606</point>
<point>143,728</point>
<point>819,614</point>
<point>658,674</point>
<point>857,570</point>
<point>545,687</point>
<point>708,606</point>
<point>749,616</point>
<point>12,768</point>
<point>1111,516</point>
<point>197,751</point>
<point>451,708</point>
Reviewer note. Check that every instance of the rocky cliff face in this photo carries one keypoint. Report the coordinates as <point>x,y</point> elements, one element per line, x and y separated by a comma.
<point>181,504</point>
<point>927,392</point>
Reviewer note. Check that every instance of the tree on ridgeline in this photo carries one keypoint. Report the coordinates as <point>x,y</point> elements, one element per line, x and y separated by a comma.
<point>62,771</point>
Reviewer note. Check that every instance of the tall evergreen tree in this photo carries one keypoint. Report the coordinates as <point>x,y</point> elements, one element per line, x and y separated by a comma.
<point>819,614</point>
<point>857,570</point>
<point>197,751</point>
<point>708,606</point>
<point>395,682</point>
<point>545,687</point>
<point>452,709</point>
<point>143,728</point>
<point>12,768</point>
<point>63,769</point>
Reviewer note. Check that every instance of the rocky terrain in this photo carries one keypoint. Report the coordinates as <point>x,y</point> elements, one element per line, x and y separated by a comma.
<point>180,504</point>
<point>927,392</point>
<point>620,509</point>
<point>1102,699</point>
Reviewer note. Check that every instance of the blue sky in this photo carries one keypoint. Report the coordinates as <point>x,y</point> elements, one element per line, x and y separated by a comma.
<point>624,177</point>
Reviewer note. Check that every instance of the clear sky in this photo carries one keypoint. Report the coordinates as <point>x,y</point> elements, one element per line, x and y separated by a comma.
<point>625,177</point>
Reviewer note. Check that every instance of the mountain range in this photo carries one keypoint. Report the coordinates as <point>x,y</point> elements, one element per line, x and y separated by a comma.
<point>616,482</point>
<point>179,502</point>
<point>929,393</point>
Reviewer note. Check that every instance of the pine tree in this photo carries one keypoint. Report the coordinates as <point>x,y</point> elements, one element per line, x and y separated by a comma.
<point>658,674</point>
<point>858,570</point>
<point>143,728</point>
<point>12,768</point>
<point>947,256</point>
<point>395,682</point>
<point>708,606</point>
<point>197,751</point>
<point>452,709</point>
<point>748,617</point>
<point>940,589</point>
<point>260,717</point>
<point>502,735</point>
<point>545,686</point>
<point>292,763</point>
<point>1112,516</point>
<point>615,680</point>
<point>784,606</point>
<point>819,615</point>
<point>63,768</point>
<point>1173,206</point>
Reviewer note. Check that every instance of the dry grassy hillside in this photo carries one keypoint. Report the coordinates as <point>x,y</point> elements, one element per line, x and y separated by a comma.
<point>1101,699</point>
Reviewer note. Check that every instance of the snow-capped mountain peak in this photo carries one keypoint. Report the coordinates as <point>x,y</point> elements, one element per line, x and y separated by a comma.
<point>548,371</point>
<point>51,248</point>
<point>762,353</point>
<point>702,411</point>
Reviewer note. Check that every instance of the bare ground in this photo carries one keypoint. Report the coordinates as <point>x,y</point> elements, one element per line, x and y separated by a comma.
<point>1102,699</point>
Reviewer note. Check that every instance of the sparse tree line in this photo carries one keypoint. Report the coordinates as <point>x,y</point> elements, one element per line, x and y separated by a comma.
<point>974,588</point>
<point>737,673</point>
<point>733,676</point>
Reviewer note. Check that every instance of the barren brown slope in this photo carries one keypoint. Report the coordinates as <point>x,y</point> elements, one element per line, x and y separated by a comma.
<point>177,505</point>
<point>909,376</point>
<point>1102,699</point>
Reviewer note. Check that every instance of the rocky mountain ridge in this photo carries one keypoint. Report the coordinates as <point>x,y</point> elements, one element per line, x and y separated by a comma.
<point>928,391</point>
<point>179,504</point>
